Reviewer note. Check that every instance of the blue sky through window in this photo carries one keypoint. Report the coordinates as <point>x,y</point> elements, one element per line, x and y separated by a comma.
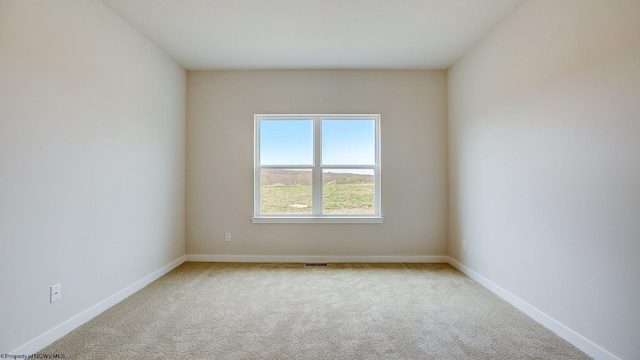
<point>344,142</point>
<point>348,142</point>
<point>286,142</point>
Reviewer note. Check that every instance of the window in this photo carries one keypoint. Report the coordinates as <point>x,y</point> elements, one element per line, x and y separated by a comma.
<point>317,168</point>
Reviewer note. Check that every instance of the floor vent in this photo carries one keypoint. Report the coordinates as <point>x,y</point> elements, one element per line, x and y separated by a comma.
<point>315,264</point>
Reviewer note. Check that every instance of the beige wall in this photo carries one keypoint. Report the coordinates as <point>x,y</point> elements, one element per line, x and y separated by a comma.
<point>220,109</point>
<point>92,138</point>
<point>545,164</point>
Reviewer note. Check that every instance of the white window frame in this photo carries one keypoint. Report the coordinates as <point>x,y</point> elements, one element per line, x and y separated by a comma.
<point>317,170</point>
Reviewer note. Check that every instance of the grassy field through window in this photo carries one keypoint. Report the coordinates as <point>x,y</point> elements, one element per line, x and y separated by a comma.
<point>348,199</point>
<point>337,199</point>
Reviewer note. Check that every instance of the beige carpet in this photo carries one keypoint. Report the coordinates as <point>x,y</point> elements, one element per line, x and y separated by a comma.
<point>288,311</point>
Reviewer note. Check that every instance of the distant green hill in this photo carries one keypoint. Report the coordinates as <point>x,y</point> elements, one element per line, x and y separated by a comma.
<point>303,177</point>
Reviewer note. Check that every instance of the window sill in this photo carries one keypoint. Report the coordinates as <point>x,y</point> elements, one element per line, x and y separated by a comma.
<point>317,219</point>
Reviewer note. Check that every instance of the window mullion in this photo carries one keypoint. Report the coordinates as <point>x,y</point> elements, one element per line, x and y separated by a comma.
<point>317,168</point>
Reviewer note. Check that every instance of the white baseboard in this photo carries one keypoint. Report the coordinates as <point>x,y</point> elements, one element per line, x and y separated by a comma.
<point>61,330</point>
<point>561,330</point>
<point>317,259</point>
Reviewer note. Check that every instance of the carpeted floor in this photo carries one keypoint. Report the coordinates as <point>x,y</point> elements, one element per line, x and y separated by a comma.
<point>289,311</point>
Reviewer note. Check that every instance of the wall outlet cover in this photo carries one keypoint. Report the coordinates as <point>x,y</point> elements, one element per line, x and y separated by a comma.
<point>56,292</point>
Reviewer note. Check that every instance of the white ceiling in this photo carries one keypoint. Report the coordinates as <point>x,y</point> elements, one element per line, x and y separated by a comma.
<point>314,34</point>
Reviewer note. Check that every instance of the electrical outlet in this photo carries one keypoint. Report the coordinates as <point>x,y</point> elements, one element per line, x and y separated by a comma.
<point>464,245</point>
<point>227,237</point>
<point>56,292</point>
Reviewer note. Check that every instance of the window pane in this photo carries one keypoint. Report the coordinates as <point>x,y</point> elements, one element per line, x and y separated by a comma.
<point>348,142</point>
<point>284,191</point>
<point>348,191</point>
<point>286,142</point>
